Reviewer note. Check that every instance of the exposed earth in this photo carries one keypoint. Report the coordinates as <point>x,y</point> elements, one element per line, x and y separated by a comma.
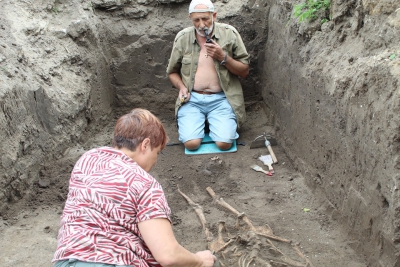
<point>328,93</point>
<point>281,201</point>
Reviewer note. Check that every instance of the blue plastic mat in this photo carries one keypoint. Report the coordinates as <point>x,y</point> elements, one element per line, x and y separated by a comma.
<point>209,148</point>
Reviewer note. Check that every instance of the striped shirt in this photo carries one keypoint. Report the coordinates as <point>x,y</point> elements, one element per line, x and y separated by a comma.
<point>109,194</point>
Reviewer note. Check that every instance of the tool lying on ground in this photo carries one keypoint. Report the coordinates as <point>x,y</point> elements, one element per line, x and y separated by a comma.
<point>259,141</point>
<point>265,140</point>
<point>259,169</point>
<point>267,160</point>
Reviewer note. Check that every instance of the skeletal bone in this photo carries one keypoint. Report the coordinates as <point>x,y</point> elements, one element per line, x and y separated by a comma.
<point>216,245</point>
<point>222,203</point>
<point>242,261</point>
<point>265,231</point>
<point>261,262</point>
<point>238,254</point>
<point>255,241</point>
<point>219,244</point>
<point>251,240</point>
<point>199,211</point>
<point>260,230</point>
<point>308,262</point>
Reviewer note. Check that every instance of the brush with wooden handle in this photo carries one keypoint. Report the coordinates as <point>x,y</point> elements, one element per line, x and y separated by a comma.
<point>259,169</point>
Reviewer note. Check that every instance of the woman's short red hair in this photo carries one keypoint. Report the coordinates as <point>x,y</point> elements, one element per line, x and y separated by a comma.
<point>132,128</point>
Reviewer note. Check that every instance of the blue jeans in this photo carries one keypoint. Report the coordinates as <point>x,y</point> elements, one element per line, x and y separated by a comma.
<point>76,263</point>
<point>216,109</point>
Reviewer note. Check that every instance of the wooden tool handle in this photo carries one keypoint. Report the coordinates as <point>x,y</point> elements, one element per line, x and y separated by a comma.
<point>270,168</point>
<point>274,159</point>
<point>266,172</point>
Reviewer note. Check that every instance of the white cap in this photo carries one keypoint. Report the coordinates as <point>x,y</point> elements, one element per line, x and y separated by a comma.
<point>207,3</point>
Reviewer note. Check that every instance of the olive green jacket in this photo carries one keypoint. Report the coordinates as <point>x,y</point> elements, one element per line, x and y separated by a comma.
<point>185,56</point>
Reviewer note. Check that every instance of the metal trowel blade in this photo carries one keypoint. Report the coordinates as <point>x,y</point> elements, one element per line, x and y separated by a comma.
<point>259,143</point>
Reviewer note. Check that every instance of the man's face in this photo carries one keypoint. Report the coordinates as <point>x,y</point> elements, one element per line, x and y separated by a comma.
<point>202,20</point>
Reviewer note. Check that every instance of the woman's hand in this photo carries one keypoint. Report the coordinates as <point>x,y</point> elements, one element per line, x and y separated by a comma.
<point>207,257</point>
<point>160,239</point>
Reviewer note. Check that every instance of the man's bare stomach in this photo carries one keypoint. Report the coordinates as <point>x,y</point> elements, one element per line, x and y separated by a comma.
<point>206,82</point>
<point>206,78</point>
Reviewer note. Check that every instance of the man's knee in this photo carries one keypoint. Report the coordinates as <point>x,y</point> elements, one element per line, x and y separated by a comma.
<point>193,144</point>
<point>223,145</point>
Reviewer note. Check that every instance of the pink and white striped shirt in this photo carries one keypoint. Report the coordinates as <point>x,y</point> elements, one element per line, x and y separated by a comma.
<point>108,195</point>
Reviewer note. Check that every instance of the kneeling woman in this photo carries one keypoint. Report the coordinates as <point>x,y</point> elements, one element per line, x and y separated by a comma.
<point>116,213</point>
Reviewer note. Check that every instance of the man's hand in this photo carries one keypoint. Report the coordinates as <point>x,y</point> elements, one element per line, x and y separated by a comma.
<point>176,81</point>
<point>234,66</point>
<point>184,95</point>
<point>215,51</point>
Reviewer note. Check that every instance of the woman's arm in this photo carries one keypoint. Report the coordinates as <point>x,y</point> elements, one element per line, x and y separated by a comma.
<point>160,239</point>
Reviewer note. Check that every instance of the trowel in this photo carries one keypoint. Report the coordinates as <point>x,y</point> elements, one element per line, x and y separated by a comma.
<point>267,160</point>
<point>265,140</point>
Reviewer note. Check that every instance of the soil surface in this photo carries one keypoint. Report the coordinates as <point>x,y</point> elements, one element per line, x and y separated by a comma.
<point>279,205</point>
<point>327,93</point>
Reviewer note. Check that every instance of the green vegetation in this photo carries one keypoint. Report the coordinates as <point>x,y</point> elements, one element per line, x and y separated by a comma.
<point>310,10</point>
<point>55,10</point>
<point>394,55</point>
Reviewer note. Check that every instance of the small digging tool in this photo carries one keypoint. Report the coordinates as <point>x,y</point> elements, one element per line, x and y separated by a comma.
<point>267,160</point>
<point>259,169</point>
<point>265,140</point>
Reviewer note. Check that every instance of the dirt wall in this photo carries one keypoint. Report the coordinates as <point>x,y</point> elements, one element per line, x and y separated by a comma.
<point>55,82</point>
<point>334,90</point>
